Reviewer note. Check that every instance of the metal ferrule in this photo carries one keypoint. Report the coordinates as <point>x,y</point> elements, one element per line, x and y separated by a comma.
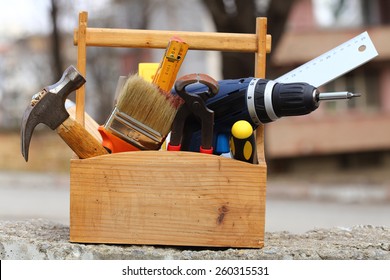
<point>316,95</point>
<point>268,100</point>
<point>133,131</point>
<point>250,97</point>
<point>267,96</point>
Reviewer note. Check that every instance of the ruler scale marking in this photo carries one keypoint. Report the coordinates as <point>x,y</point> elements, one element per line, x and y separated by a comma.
<point>334,63</point>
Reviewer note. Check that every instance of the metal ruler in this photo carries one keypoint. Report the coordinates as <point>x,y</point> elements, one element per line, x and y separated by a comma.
<point>334,63</point>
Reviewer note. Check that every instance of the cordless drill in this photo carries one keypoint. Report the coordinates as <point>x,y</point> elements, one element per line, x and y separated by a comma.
<point>257,101</point>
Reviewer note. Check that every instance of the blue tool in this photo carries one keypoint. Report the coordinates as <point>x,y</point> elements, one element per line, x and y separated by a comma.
<point>257,101</point>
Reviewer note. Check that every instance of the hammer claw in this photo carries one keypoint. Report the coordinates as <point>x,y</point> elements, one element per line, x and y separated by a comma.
<point>48,107</point>
<point>25,135</point>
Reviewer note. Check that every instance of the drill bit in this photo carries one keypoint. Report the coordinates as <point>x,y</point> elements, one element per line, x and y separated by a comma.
<point>323,96</point>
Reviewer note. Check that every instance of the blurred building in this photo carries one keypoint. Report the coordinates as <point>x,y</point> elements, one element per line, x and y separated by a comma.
<point>346,133</point>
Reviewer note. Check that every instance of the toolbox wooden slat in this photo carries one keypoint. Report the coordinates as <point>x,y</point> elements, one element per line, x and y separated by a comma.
<point>169,198</point>
<point>135,38</point>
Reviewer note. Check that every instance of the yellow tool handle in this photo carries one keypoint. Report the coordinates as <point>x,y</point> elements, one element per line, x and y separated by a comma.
<point>170,64</point>
<point>147,70</point>
<point>243,142</point>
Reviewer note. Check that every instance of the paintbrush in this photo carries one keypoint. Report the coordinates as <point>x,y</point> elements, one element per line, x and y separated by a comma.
<point>145,111</point>
<point>141,119</point>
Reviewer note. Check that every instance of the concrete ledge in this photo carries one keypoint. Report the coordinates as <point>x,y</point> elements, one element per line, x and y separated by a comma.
<point>40,239</point>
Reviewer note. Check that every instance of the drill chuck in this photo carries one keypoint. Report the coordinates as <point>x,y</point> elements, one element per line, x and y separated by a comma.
<point>268,100</point>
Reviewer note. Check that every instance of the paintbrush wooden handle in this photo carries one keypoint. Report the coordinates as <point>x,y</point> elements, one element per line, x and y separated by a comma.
<point>80,140</point>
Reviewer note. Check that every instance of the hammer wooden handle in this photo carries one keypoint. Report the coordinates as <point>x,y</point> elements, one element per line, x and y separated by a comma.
<point>89,123</point>
<point>80,140</point>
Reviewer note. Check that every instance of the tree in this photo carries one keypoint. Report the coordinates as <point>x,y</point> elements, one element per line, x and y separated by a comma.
<point>239,16</point>
<point>104,65</point>
<point>55,40</point>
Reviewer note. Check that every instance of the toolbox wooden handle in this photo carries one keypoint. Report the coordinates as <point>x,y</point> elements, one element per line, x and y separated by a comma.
<point>136,38</point>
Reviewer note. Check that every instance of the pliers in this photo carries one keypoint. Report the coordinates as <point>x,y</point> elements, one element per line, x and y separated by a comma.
<point>194,105</point>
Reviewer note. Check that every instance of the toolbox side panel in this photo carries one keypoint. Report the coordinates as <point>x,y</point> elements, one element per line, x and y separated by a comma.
<point>167,198</point>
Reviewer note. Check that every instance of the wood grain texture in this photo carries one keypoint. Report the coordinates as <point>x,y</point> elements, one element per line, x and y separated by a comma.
<point>84,144</point>
<point>90,124</point>
<point>260,67</point>
<point>167,198</point>
<point>137,38</point>
<point>81,66</point>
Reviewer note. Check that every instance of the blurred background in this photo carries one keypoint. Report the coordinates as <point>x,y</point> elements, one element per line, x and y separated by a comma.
<point>330,168</point>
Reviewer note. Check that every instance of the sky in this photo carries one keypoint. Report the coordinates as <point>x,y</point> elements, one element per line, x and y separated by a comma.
<point>20,17</point>
<point>349,16</point>
<point>23,17</point>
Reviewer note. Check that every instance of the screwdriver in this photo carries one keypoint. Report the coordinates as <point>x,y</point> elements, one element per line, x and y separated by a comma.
<point>243,142</point>
<point>258,101</point>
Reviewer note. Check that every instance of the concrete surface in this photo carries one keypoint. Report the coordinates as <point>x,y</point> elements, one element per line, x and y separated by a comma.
<point>41,239</point>
<point>305,220</point>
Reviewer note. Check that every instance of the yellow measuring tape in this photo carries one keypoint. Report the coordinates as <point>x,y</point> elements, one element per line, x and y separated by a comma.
<point>164,74</point>
<point>170,64</point>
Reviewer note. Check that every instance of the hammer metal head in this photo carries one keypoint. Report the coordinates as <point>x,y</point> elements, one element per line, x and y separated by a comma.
<point>48,106</point>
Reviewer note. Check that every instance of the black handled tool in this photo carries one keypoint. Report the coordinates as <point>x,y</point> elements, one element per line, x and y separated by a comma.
<point>194,105</point>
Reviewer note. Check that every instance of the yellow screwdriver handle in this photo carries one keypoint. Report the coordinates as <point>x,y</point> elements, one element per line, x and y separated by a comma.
<point>243,142</point>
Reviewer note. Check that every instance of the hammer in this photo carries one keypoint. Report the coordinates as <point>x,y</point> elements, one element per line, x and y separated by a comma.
<point>48,107</point>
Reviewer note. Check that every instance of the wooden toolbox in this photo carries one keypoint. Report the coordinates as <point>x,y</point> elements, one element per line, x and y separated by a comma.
<point>168,198</point>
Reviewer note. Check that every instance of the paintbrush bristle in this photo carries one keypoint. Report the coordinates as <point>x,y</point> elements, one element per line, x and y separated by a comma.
<point>144,102</point>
